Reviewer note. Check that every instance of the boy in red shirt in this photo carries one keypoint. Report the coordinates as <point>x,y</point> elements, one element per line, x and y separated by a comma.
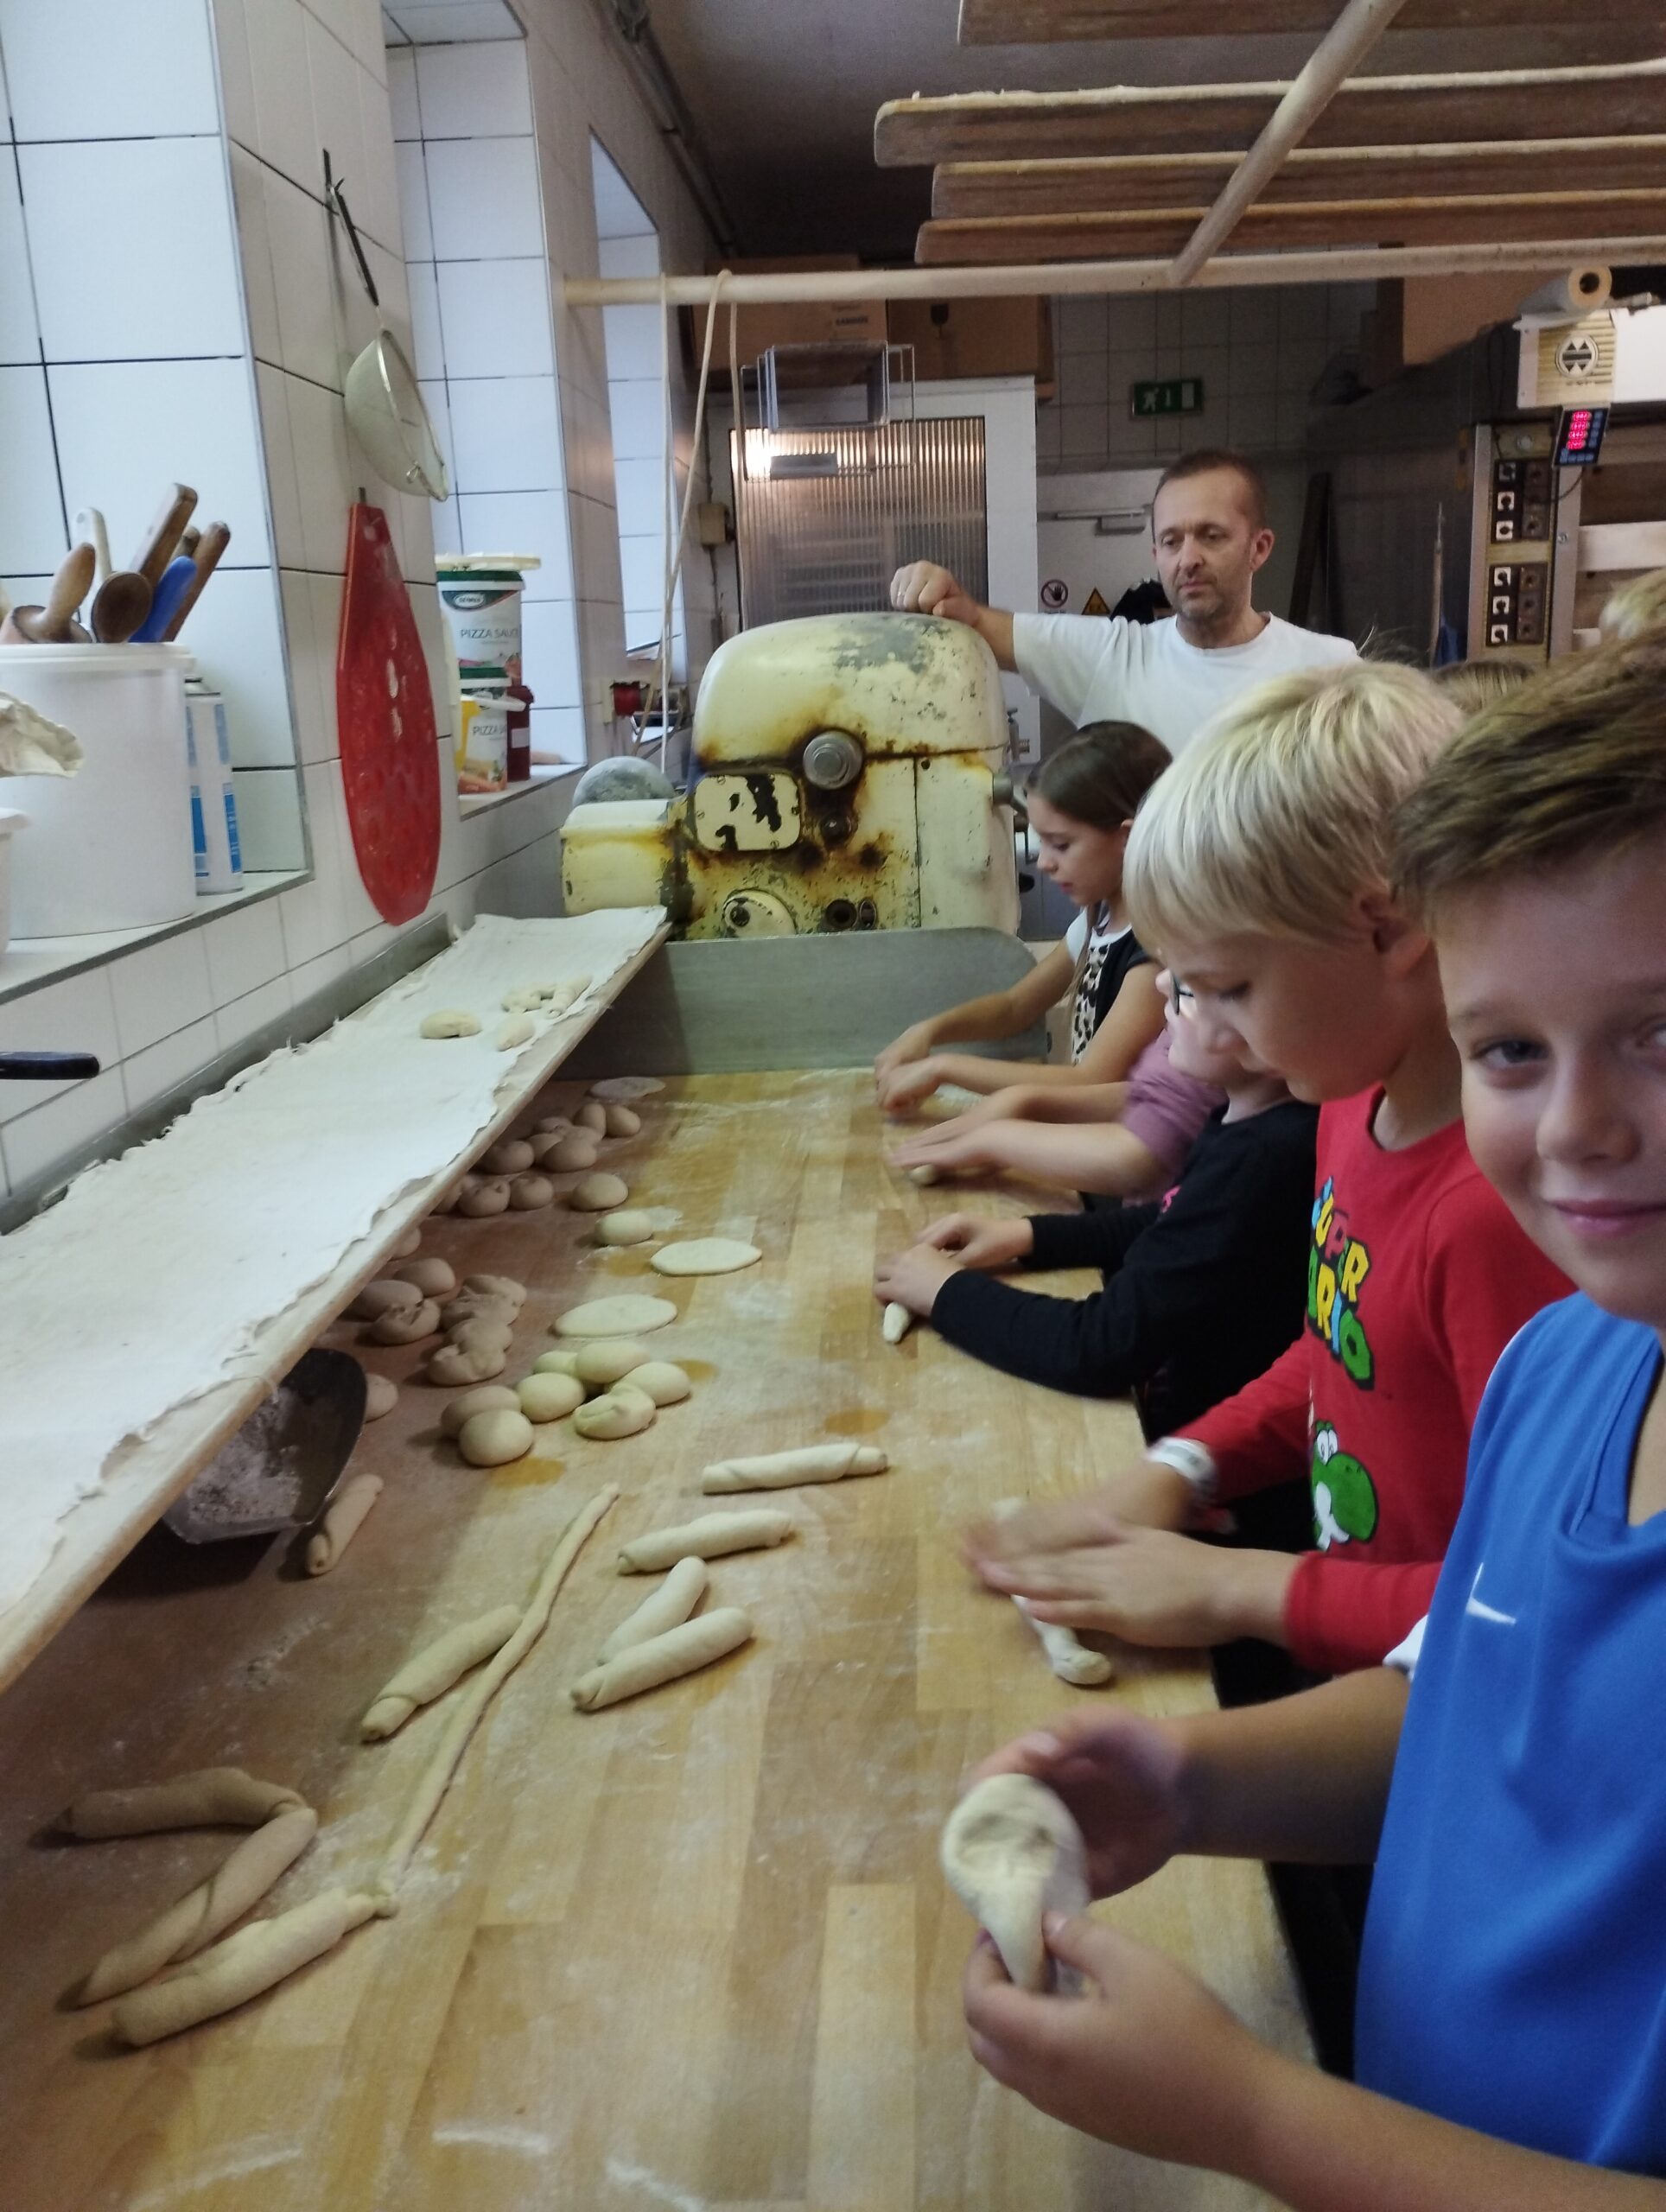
<point>1259,864</point>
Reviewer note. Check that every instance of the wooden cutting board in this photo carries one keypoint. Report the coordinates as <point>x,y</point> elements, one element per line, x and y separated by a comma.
<point>384,714</point>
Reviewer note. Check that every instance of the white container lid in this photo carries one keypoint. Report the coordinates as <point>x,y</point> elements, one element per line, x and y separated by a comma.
<point>93,659</point>
<point>464,563</point>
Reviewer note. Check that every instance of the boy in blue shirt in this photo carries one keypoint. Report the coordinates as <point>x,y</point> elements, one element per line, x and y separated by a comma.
<point>1512,2028</point>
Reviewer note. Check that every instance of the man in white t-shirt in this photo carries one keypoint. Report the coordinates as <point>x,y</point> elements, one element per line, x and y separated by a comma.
<point>1210,536</point>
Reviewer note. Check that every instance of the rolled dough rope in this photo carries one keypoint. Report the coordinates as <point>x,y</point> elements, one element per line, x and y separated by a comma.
<point>705,1255</point>
<point>212,1797</point>
<point>431,1673</point>
<point>1012,1852</point>
<point>897,1323</point>
<point>450,1022</point>
<point>255,1959</point>
<point>814,1463</point>
<point>241,1879</point>
<point>342,1519</point>
<point>437,1775</point>
<point>1069,1657</point>
<point>713,1536</point>
<point>667,1608</point>
<point>663,1659</point>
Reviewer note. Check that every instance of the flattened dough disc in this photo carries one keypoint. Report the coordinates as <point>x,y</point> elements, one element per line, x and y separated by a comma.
<point>705,1256</point>
<point>627,1087</point>
<point>630,1314</point>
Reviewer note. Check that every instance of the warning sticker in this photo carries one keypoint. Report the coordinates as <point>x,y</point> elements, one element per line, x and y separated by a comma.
<point>1055,594</point>
<point>1096,603</point>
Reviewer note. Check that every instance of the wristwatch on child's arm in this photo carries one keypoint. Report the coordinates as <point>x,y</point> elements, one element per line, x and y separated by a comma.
<point>1193,1462</point>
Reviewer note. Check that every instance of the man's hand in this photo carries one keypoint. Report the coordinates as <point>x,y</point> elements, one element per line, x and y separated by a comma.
<point>923,587</point>
<point>1151,1587</point>
<point>1147,2057</point>
<point>977,1241</point>
<point>1145,1494</point>
<point>913,1278</point>
<point>914,1044</point>
<point>1123,1780</point>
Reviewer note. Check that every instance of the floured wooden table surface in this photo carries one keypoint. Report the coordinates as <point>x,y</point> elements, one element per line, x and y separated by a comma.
<point>694,1952</point>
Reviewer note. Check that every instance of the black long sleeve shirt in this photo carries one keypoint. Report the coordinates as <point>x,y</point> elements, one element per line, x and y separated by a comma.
<point>1203,1290</point>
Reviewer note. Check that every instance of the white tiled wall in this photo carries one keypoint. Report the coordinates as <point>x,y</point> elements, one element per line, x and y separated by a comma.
<point>467,168</point>
<point>124,350</point>
<point>294,78</point>
<point>1258,353</point>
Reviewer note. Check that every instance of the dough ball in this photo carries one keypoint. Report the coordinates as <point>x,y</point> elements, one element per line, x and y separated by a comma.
<point>490,1398</point>
<point>405,1325</point>
<point>549,1397</point>
<point>559,1361</point>
<point>621,1121</point>
<point>578,1149</point>
<point>626,1394</point>
<point>615,1416</point>
<point>459,1189</point>
<point>552,1125</point>
<point>452,1022</point>
<point>470,1306</point>
<point>529,1191</point>
<point>432,1277</point>
<point>543,1142</point>
<point>381,1396</point>
<point>386,1296</point>
<point>627,1313</point>
<point>522,1002</point>
<point>494,1438</point>
<point>487,1333</point>
<point>705,1255</point>
<point>409,1244</point>
<point>923,1176</point>
<point>662,1380</point>
<point>596,1193</point>
<point>605,1363</point>
<point>454,1363</point>
<point>486,1200</point>
<point>517,1031</point>
<point>627,1226</point>
<point>502,1286</point>
<point>509,1157</point>
<point>592,1115</point>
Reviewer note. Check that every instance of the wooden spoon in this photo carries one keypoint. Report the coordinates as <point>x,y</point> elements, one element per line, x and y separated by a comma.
<point>212,543</point>
<point>54,624</point>
<point>122,603</point>
<point>161,542</point>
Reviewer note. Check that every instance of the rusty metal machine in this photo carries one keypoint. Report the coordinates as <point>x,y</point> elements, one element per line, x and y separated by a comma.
<point>847,775</point>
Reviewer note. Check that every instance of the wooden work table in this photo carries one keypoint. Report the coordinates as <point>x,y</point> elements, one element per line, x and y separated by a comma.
<point>694,1952</point>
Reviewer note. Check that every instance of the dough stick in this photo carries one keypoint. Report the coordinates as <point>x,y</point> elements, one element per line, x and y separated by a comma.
<point>255,1959</point>
<point>663,1659</point>
<point>213,1797</point>
<point>814,1463</point>
<point>713,1536</point>
<point>340,1525</point>
<point>669,1607</point>
<point>436,1777</point>
<point>188,1927</point>
<point>897,1323</point>
<point>432,1672</point>
<point>1067,1655</point>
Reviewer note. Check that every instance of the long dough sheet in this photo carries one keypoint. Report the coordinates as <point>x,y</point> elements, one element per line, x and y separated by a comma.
<point>339,1129</point>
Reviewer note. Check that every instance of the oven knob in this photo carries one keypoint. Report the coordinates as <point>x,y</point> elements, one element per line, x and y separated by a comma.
<point>832,759</point>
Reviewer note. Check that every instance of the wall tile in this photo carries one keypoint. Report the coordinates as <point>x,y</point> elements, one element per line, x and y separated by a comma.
<point>318,427</point>
<point>268,819</point>
<point>337,125</point>
<point>636,256</point>
<point>300,233</point>
<point>473,91</point>
<point>522,521</point>
<point>1082,325</point>
<point>132,291</point>
<point>637,410</point>
<point>549,652</point>
<point>411,172</point>
<point>240,1019</point>
<point>237,76</point>
<point>272,404</point>
<point>161,988</point>
<point>244,948</point>
<point>506,433</point>
<point>34,536</point>
<point>401,92</point>
<point>483,199</point>
<point>277,55</point>
<point>75,1015</point>
<point>139,71</point>
<point>34,1144</point>
<point>249,177</point>
<point>428,345</point>
<point>236,633</point>
<point>1083,431</point>
<point>126,429</point>
<point>20,335</point>
<point>495,318</point>
<point>313,976</point>
<point>558,733</point>
<point>161,1068</point>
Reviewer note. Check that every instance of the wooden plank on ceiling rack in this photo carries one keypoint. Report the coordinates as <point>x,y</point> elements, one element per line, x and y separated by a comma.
<point>1033,22</point>
<point>1512,105</point>
<point>1570,219</point>
<point>963,189</point>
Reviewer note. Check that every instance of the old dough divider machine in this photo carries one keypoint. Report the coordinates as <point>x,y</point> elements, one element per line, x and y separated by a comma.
<point>847,776</point>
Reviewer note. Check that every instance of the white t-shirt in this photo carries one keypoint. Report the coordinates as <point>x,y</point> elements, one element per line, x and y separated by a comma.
<point>1095,670</point>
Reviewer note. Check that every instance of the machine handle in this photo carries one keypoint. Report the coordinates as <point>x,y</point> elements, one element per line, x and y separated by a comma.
<point>47,1067</point>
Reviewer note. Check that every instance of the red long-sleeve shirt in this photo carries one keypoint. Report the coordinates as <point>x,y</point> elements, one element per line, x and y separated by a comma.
<point>1417,1277</point>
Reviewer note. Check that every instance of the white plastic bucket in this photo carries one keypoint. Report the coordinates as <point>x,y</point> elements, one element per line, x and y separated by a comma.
<point>10,822</point>
<point>109,847</point>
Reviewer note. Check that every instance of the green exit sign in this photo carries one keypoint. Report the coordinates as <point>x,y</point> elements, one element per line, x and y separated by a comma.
<point>1168,396</point>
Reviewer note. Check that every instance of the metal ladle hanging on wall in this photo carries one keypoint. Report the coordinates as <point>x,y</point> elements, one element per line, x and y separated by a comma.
<point>385,409</point>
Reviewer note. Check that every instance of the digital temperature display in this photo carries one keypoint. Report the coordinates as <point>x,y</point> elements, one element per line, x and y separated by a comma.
<point>1578,435</point>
